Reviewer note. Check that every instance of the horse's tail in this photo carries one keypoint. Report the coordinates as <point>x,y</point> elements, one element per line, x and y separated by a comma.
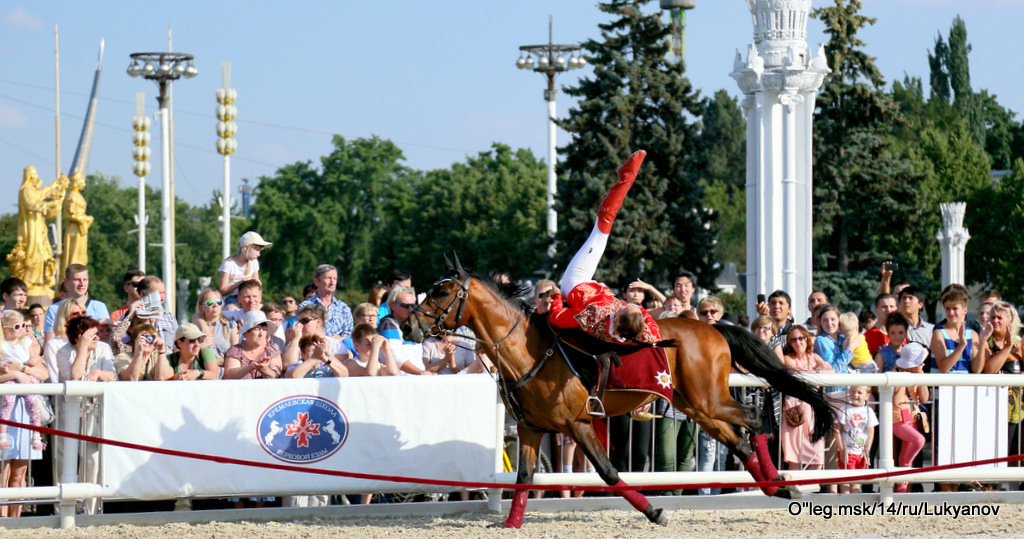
<point>750,353</point>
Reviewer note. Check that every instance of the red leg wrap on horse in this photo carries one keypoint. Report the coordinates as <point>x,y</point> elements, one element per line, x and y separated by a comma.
<point>613,201</point>
<point>637,500</point>
<point>754,467</point>
<point>767,466</point>
<point>515,514</point>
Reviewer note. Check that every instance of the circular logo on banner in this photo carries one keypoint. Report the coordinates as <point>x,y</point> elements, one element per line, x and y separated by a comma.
<point>302,429</point>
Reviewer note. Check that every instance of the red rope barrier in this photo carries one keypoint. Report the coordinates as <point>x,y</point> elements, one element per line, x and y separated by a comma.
<point>507,486</point>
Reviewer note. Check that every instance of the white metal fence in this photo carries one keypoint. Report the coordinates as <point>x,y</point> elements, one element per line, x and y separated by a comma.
<point>68,489</point>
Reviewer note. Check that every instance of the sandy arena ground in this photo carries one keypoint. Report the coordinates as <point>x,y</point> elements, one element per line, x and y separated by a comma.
<point>583,524</point>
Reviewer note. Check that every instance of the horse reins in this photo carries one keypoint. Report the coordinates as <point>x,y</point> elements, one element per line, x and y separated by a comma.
<point>505,388</point>
<point>460,297</point>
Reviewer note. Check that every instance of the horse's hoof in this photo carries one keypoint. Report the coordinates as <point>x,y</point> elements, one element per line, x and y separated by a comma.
<point>659,517</point>
<point>504,525</point>
<point>788,492</point>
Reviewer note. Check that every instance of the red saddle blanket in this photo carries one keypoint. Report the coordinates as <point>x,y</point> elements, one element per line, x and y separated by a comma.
<point>646,369</point>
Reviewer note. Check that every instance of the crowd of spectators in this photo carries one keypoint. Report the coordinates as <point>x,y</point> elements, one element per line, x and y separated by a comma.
<point>235,334</point>
<point>894,336</point>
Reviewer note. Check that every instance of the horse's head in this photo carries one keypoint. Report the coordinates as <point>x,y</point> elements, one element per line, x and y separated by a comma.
<point>442,310</point>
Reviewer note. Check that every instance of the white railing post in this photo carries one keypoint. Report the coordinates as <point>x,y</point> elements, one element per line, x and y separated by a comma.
<point>72,414</point>
<point>886,460</point>
<point>494,494</point>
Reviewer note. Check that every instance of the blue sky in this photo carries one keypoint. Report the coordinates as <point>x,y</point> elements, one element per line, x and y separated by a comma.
<point>437,78</point>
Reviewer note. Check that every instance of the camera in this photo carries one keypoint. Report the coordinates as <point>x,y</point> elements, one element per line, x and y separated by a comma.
<point>760,298</point>
<point>149,338</point>
<point>890,266</point>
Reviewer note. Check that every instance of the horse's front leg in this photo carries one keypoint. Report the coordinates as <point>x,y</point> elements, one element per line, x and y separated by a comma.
<point>585,436</point>
<point>529,445</point>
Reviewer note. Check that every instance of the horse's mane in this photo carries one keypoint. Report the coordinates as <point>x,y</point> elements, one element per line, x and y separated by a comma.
<point>512,292</point>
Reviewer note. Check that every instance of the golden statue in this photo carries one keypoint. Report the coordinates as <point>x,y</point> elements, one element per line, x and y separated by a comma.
<point>32,260</point>
<point>76,223</point>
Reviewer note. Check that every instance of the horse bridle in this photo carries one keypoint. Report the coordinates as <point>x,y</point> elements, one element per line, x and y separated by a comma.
<point>461,295</point>
<point>505,388</point>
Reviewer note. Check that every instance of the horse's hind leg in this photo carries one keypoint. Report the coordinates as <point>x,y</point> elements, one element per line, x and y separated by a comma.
<point>760,444</point>
<point>529,445</point>
<point>725,421</point>
<point>585,436</point>
<point>761,452</point>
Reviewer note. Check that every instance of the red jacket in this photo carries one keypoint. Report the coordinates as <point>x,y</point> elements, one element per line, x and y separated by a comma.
<point>591,307</point>
<point>875,339</point>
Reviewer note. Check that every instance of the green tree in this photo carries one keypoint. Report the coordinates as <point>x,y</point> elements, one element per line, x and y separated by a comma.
<point>636,99</point>
<point>938,73</point>
<point>328,214</point>
<point>113,242</point>
<point>490,210</point>
<point>719,163</point>
<point>1003,136</point>
<point>364,212</point>
<point>995,217</point>
<point>722,142</point>
<point>988,123</point>
<point>730,206</point>
<point>956,165</point>
<point>8,237</point>
<point>956,61</point>
<point>865,198</point>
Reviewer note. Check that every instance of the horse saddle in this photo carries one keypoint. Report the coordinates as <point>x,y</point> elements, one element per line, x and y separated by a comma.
<point>602,365</point>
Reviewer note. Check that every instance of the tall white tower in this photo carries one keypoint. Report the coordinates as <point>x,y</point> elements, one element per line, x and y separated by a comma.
<point>779,80</point>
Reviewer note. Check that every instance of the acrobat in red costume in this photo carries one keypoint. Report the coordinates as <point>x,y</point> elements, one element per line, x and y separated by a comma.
<point>591,305</point>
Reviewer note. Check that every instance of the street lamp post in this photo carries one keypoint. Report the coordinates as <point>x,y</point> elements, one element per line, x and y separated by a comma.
<point>226,145</point>
<point>164,67</point>
<point>550,59</point>
<point>140,153</point>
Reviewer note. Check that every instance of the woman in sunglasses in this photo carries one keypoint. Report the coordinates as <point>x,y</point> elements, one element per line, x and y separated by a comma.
<point>256,356</point>
<point>190,360</point>
<point>15,360</point>
<point>221,334</point>
<point>18,446</point>
<point>798,451</point>
<point>309,322</point>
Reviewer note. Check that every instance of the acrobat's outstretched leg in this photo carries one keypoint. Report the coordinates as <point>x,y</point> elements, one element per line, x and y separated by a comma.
<point>584,263</point>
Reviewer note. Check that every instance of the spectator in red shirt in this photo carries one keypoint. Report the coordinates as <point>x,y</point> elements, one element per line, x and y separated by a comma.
<point>876,337</point>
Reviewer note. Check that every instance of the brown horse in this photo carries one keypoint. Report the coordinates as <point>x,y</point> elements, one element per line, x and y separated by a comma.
<point>551,398</point>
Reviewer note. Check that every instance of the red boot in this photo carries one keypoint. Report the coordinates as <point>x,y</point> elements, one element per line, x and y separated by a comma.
<point>613,201</point>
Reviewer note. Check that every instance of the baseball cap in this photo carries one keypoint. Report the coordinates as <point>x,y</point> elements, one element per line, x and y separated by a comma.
<point>188,330</point>
<point>252,238</point>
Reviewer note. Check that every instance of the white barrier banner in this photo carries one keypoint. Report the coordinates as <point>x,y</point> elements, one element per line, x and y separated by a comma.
<point>439,427</point>
<point>972,424</point>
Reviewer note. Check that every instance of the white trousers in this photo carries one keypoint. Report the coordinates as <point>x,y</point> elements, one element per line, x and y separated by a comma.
<point>584,263</point>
